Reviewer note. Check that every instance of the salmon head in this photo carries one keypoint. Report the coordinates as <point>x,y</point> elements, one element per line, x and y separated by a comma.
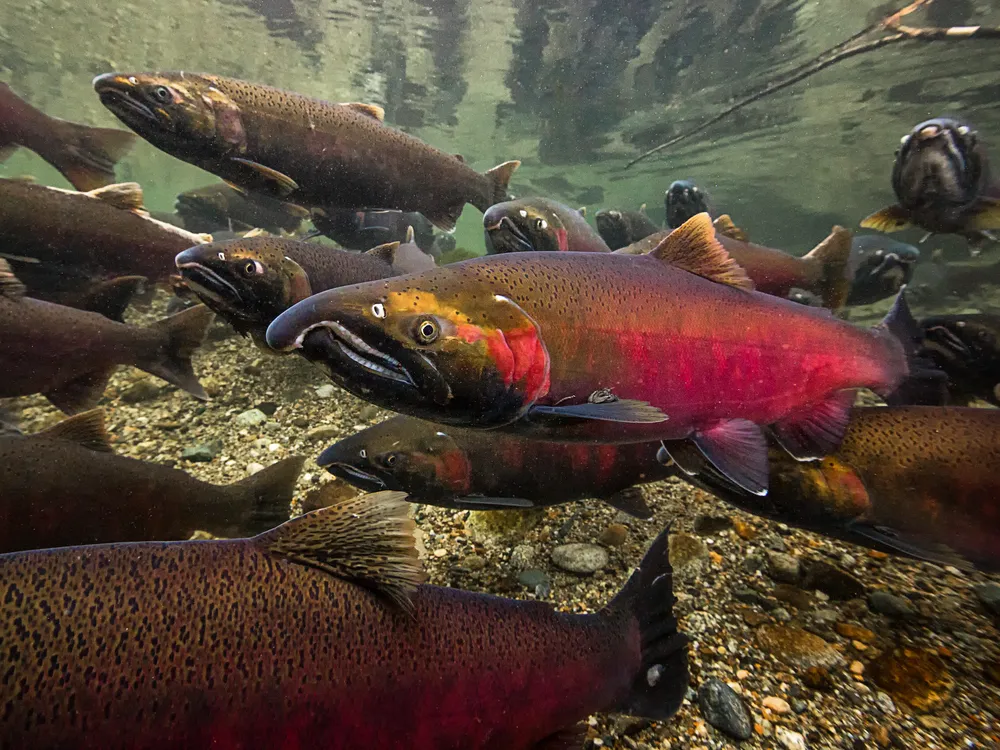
<point>440,344</point>
<point>613,228</point>
<point>247,281</point>
<point>683,200</point>
<point>939,161</point>
<point>523,226</point>
<point>185,114</point>
<point>403,454</point>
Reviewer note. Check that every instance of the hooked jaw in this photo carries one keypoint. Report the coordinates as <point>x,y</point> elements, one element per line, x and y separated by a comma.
<point>504,236</point>
<point>330,342</point>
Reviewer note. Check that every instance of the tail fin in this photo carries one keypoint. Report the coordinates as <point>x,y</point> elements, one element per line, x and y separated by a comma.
<point>661,682</point>
<point>268,495</point>
<point>87,156</point>
<point>831,260</point>
<point>185,331</point>
<point>921,372</point>
<point>499,178</point>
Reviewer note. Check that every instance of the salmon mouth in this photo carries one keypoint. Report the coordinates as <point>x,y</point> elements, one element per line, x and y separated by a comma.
<point>353,475</point>
<point>211,286</point>
<point>333,344</point>
<point>124,105</point>
<point>506,237</point>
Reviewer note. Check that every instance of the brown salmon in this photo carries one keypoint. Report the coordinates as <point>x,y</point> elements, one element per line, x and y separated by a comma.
<point>220,207</point>
<point>69,354</point>
<point>303,150</point>
<point>65,486</point>
<point>479,469</point>
<point>84,155</point>
<point>305,636</point>
<point>539,224</point>
<point>919,481</point>
<point>620,229</point>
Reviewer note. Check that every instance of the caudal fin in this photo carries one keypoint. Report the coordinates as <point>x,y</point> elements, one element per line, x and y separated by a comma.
<point>185,331</point>
<point>268,495</point>
<point>659,685</point>
<point>831,259</point>
<point>87,156</point>
<point>921,373</point>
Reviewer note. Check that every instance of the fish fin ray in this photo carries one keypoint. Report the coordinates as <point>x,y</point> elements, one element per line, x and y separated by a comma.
<point>624,410</point>
<point>724,225</point>
<point>7,151</point>
<point>832,259</point>
<point>111,298</point>
<point>899,324</point>
<point>185,332</point>
<point>630,500</point>
<point>816,430</point>
<point>694,248</point>
<point>367,540</point>
<point>446,218</point>
<point>81,393</point>
<point>274,180</point>
<point>889,219</point>
<point>369,110</point>
<point>87,156</point>
<point>661,681</point>
<point>10,285</point>
<point>268,494</point>
<point>386,252</point>
<point>499,177</point>
<point>479,502</point>
<point>86,429</point>
<point>124,195</point>
<point>912,545</point>
<point>737,449</point>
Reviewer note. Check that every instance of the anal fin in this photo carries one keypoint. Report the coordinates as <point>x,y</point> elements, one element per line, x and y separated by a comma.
<point>737,449</point>
<point>446,218</point>
<point>81,393</point>
<point>890,219</point>
<point>816,430</point>
<point>86,429</point>
<point>631,501</point>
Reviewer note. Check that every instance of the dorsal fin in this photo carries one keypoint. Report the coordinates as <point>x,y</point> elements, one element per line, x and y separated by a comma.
<point>367,540</point>
<point>693,247</point>
<point>124,195</point>
<point>371,110</point>
<point>255,232</point>
<point>459,157</point>
<point>724,225</point>
<point>111,298</point>
<point>386,252</point>
<point>410,235</point>
<point>85,429</point>
<point>10,285</point>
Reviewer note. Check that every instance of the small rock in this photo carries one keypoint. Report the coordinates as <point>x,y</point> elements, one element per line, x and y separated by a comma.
<point>614,535</point>
<point>749,596</point>
<point>705,524</point>
<point>889,604</point>
<point>753,563</point>
<point>884,703</point>
<point>254,468</point>
<point>916,677</point>
<point>818,678</point>
<point>857,667</point>
<point>523,556</point>
<point>472,563</point>
<point>795,596</point>
<point>142,390</point>
<point>742,674</point>
<point>989,596</point>
<point>743,530</point>
<point>251,418</point>
<point>688,554</point>
<point>203,452</point>
<point>580,557</point>
<point>753,618</point>
<point>824,618</point>
<point>326,391</point>
<point>832,581</point>
<point>932,722</point>
<point>781,614</point>
<point>799,706</point>
<point>323,432</point>
<point>797,647</point>
<point>724,710</point>
<point>368,413</point>
<point>485,526</point>
<point>776,705</point>
<point>854,632</point>
<point>535,580</point>
<point>783,567</point>
<point>267,408</point>
<point>790,740</point>
<point>300,422</point>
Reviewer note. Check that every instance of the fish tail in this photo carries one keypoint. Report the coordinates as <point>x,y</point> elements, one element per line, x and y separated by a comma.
<point>660,683</point>
<point>900,329</point>
<point>268,495</point>
<point>87,156</point>
<point>499,178</point>
<point>184,332</point>
<point>831,260</point>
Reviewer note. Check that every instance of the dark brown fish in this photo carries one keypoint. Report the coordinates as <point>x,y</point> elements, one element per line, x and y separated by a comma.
<point>363,230</point>
<point>620,229</point>
<point>460,468</point>
<point>219,206</point>
<point>920,481</point>
<point>307,151</point>
<point>967,349</point>
<point>825,270</point>
<point>316,634</point>
<point>250,281</point>
<point>68,354</point>
<point>539,224</point>
<point>61,242</point>
<point>84,155</point>
<point>65,486</point>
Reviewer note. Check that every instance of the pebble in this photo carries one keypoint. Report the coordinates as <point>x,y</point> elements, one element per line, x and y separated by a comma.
<point>614,535</point>
<point>522,556</point>
<point>326,391</point>
<point>884,703</point>
<point>785,592</point>
<point>989,596</point>
<point>799,706</point>
<point>776,705</point>
<point>580,557</point>
<point>254,468</point>
<point>724,710</point>
<point>832,581</point>
<point>854,632</point>
<point>857,667</point>
<point>790,740</point>
<point>142,390</point>
<point>796,647</point>
<point>472,562</point>
<point>688,554</point>
<point>914,676</point>
<point>203,452</point>
<point>889,604</point>
<point>818,678</point>
<point>705,524</point>
<point>783,567</point>
<point>535,580</point>
<point>323,432</point>
<point>251,418</point>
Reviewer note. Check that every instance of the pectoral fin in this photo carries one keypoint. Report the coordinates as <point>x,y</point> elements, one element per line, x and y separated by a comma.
<point>271,180</point>
<point>627,410</point>
<point>817,430</point>
<point>738,450</point>
<point>631,501</point>
<point>913,545</point>
<point>890,219</point>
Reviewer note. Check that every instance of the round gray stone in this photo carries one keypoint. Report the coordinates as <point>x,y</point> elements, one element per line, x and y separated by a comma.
<point>724,709</point>
<point>580,557</point>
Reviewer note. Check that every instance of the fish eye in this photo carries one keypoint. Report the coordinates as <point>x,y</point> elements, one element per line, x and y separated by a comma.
<point>162,94</point>
<point>390,460</point>
<point>615,214</point>
<point>253,268</point>
<point>523,214</point>
<point>364,453</point>
<point>427,331</point>
<point>222,256</point>
<point>378,310</point>
<point>133,80</point>
<point>541,224</point>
